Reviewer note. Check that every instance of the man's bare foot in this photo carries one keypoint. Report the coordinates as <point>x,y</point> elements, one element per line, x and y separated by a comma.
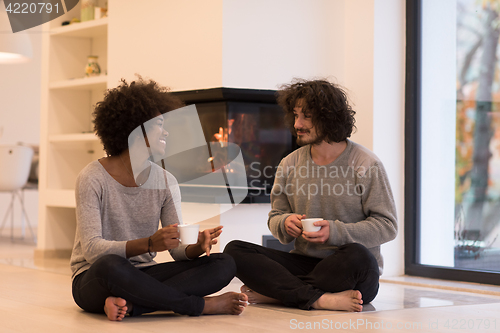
<point>256,298</point>
<point>349,300</point>
<point>228,303</point>
<point>115,308</point>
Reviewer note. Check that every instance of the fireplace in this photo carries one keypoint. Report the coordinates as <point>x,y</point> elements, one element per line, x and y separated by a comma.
<point>248,118</point>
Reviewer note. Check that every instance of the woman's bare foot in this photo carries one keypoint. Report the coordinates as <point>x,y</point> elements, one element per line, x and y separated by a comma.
<point>228,303</point>
<point>115,308</point>
<point>256,298</point>
<point>349,300</point>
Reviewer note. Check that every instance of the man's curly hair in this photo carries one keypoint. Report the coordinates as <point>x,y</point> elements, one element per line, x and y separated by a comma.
<point>327,103</point>
<point>128,106</point>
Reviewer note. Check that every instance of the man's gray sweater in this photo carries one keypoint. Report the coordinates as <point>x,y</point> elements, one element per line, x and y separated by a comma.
<point>352,193</point>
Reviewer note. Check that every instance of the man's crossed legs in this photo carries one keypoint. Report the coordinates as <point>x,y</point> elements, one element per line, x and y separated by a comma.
<point>342,281</point>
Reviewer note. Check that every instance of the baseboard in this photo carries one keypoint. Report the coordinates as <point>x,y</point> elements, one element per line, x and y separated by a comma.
<point>470,287</point>
<point>52,254</point>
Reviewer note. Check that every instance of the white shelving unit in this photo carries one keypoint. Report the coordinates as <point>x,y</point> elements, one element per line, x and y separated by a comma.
<point>96,82</point>
<point>67,142</point>
<point>95,28</point>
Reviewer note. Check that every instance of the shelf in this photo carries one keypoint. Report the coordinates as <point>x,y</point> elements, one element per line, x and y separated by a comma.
<point>60,198</point>
<point>84,83</point>
<point>73,138</point>
<point>88,29</point>
<point>68,100</point>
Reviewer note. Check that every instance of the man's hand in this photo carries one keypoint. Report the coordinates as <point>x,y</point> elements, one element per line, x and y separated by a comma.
<point>206,239</point>
<point>293,225</point>
<point>320,236</point>
<point>165,238</point>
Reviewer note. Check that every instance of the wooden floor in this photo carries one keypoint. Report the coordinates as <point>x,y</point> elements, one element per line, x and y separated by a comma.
<point>36,297</point>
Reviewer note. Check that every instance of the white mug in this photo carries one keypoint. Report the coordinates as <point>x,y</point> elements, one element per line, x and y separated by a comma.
<point>188,233</point>
<point>307,224</point>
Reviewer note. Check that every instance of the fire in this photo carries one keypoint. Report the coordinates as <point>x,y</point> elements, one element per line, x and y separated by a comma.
<point>221,137</point>
<point>223,134</point>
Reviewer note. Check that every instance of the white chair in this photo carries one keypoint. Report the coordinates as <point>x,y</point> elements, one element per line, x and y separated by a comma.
<point>15,164</point>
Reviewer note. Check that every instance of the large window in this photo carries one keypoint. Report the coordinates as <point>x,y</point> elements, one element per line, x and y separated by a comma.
<point>453,140</point>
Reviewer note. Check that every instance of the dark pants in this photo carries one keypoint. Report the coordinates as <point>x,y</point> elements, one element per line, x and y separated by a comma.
<point>297,280</point>
<point>172,286</point>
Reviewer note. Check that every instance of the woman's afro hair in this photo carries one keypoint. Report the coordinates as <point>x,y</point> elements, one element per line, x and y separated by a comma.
<point>128,106</point>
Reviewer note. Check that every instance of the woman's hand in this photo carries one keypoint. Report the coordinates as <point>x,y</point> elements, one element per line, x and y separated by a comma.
<point>165,238</point>
<point>206,239</point>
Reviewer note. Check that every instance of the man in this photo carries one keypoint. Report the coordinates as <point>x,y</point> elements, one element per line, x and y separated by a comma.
<point>333,178</point>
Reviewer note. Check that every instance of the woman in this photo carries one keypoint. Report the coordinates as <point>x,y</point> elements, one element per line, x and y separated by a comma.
<point>120,201</point>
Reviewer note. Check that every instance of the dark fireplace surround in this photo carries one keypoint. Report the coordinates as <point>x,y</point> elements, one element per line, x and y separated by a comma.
<point>249,118</point>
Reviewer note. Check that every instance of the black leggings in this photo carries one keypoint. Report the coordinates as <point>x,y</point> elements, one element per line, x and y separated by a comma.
<point>297,280</point>
<point>172,286</point>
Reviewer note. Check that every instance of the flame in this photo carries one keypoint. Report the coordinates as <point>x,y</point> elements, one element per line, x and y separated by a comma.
<point>223,134</point>
<point>221,137</point>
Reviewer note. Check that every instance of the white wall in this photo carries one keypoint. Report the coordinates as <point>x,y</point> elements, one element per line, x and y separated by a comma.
<point>176,43</point>
<point>267,43</point>
<point>20,112</point>
<point>359,65</point>
<point>388,113</point>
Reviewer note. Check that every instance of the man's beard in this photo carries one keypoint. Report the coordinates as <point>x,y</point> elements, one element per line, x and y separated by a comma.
<point>310,141</point>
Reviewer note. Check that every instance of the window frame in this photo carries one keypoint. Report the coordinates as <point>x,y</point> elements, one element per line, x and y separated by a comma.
<point>413,154</point>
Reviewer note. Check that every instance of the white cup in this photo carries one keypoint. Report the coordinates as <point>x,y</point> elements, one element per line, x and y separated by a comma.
<point>188,233</point>
<point>307,224</point>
